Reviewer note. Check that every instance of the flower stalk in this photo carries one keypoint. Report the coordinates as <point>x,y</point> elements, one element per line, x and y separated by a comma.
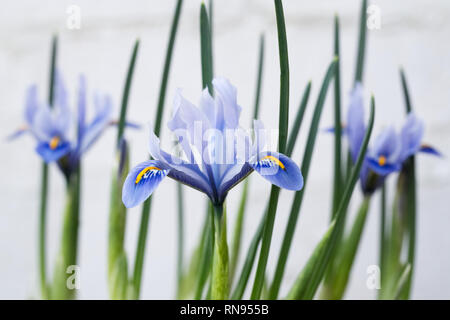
<point>220,282</point>
<point>65,277</point>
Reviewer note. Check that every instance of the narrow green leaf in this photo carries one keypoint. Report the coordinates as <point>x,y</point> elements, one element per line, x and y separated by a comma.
<point>126,92</point>
<point>295,209</point>
<point>249,260</point>
<point>410,198</point>
<point>324,259</point>
<point>236,244</point>
<point>403,282</point>
<point>347,251</point>
<point>44,186</point>
<point>145,215</point>
<point>301,282</point>
<point>298,120</point>
<point>337,180</point>
<point>117,225</point>
<point>282,140</point>
<point>206,49</point>
<point>206,254</point>
<point>361,43</point>
<point>259,77</point>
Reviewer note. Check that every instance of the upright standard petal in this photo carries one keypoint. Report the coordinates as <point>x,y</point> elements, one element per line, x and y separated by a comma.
<point>411,136</point>
<point>355,121</point>
<point>279,170</point>
<point>142,181</point>
<point>226,100</point>
<point>94,129</point>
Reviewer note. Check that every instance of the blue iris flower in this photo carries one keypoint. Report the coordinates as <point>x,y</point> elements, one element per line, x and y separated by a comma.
<point>51,127</point>
<point>217,153</point>
<point>389,150</point>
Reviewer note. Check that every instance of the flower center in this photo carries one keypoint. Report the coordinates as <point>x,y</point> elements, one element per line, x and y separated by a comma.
<point>54,142</point>
<point>145,173</point>
<point>274,160</point>
<point>382,160</point>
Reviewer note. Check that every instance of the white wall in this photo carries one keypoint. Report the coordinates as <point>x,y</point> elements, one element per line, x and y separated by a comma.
<point>413,34</point>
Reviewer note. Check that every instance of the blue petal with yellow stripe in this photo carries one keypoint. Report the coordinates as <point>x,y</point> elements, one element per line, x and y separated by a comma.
<point>279,170</point>
<point>142,181</point>
<point>217,153</point>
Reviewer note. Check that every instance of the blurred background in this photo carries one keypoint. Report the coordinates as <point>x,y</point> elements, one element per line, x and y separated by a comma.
<point>413,34</point>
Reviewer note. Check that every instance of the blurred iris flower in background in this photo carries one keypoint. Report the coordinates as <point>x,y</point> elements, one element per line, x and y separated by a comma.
<point>389,150</point>
<point>51,127</point>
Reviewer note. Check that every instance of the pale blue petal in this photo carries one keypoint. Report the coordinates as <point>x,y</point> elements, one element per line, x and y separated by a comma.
<point>141,182</point>
<point>355,121</point>
<point>226,95</point>
<point>411,136</point>
<point>49,155</point>
<point>283,173</point>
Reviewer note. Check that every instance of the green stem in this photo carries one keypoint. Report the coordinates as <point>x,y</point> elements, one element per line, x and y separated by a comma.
<point>220,281</point>
<point>180,232</point>
<point>206,253</point>
<point>65,274</point>
<point>44,186</point>
<point>117,261</point>
<point>145,215</point>
<point>42,231</point>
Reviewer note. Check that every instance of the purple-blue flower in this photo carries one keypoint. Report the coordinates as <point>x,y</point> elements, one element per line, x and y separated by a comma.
<point>217,152</point>
<point>389,150</point>
<point>52,127</point>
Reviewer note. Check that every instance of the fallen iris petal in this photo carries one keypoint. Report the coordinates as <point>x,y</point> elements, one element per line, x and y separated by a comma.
<point>279,170</point>
<point>141,182</point>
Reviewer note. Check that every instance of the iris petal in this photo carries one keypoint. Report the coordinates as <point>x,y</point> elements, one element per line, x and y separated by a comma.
<point>50,154</point>
<point>141,182</point>
<point>227,96</point>
<point>383,169</point>
<point>411,136</point>
<point>355,121</point>
<point>101,120</point>
<point>430,150</point>
<point>279,170</point>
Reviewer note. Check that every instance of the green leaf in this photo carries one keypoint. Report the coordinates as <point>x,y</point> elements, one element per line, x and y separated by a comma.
<point>206,50</point>
<point>301,282</point>
<point>347,251</point>
<point>236,244</point>
<point>145,215</point>
<point>282,140</point>
<point>117,224</point>
<point>403,282</point>
<point>323,260</point>
<point>298,120</point>
<point>126,92</point>
<point>361,43</point>
<point>44,187</point>
<point>295,209</point>
<point>337,179</point>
